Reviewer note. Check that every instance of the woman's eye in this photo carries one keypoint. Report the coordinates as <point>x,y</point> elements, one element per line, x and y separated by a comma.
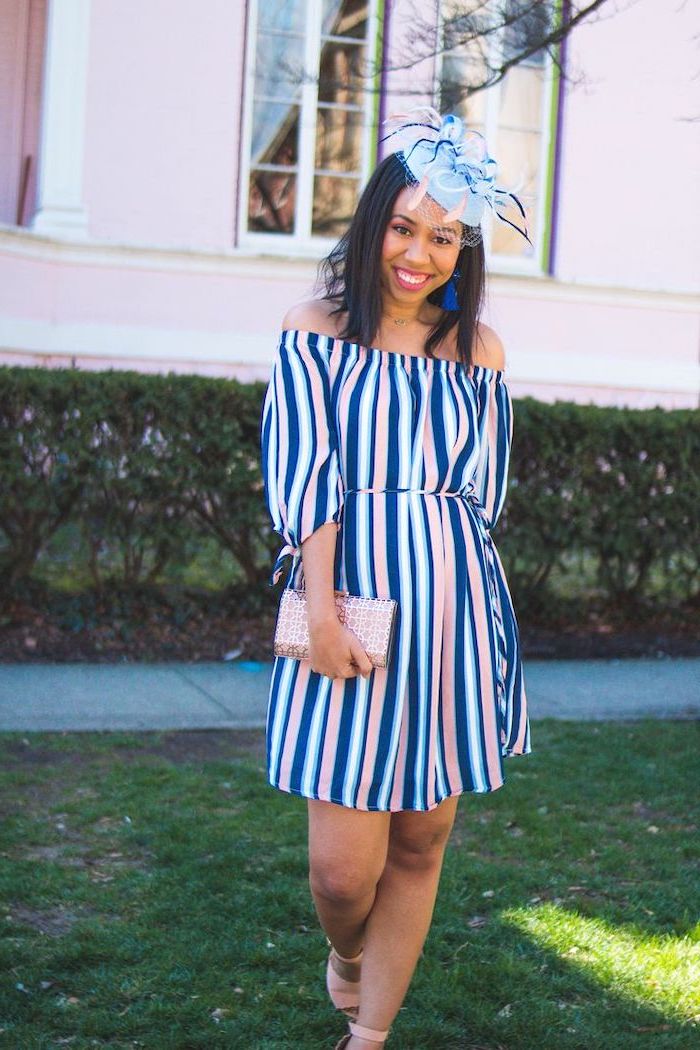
<point>440,238</point>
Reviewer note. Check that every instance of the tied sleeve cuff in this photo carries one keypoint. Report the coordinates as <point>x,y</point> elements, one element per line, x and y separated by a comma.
<point>290,550</point>
<point>278,568</point>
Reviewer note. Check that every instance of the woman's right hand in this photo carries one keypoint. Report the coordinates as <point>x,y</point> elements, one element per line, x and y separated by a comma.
<point>336,651</point>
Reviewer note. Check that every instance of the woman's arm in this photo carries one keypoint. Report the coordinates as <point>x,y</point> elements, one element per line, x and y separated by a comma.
<point>318,557</point>
<point>304,493</point>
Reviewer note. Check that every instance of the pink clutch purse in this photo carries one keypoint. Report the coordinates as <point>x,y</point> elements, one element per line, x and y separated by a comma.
<point>372,619</point>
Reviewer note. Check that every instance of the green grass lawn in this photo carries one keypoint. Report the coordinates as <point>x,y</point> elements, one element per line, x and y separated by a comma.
<point>154,893</point>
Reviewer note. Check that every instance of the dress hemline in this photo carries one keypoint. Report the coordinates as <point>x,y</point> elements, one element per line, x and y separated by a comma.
<point>404,809</point>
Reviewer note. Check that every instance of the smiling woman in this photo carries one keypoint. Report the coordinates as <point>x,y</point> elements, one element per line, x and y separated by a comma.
<point>386,435</point>
<point>392,268</point>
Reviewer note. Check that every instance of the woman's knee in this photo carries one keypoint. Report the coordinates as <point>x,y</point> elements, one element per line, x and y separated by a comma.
<point>418,840</point>
<point>418,854</point>
<point>342,883</point>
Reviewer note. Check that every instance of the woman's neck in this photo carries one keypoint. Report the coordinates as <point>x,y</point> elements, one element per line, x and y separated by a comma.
<point>405,316</point>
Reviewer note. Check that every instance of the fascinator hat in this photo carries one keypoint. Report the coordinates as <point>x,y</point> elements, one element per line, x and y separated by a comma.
<point>451,170</point>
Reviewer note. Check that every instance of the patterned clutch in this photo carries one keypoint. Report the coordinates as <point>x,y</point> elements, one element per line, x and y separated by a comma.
<point>372,619</point>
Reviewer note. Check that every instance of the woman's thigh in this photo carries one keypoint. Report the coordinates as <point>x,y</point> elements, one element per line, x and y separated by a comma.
<point>345,844</point>
<point>351,846</point>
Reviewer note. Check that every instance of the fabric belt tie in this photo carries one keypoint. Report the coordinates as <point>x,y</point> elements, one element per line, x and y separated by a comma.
<point>295,552</point>
<point>425,492</point>
<point>469,496</point>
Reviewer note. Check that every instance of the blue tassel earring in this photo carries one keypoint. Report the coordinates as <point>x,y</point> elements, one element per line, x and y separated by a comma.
<point>449,299</point>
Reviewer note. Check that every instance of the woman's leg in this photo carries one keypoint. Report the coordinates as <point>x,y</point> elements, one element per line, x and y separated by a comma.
<point>397,925</point>
<point>374,878</point>
<point>347,853</point>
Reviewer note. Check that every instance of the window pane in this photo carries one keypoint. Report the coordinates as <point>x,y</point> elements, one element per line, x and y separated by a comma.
<point>282,14</point>
<point>507,241</point>
<point>460,71</point>
<point>343,73</point>
<point>530,23</point>
<point>271,201</point>
<point>517,142</point>
<point>279,66</point>
<point>518,162</point>
<point>286,108</point>
<point>345,18</point>
<point>339,140</point>
<point>334,204</point>
<point>466,23</point>
<point>521,99</point>
<point>518,155</point>
<point>275,133</point>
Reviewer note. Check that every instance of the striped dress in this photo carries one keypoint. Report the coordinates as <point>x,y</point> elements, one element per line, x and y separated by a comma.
<point>409,456</point>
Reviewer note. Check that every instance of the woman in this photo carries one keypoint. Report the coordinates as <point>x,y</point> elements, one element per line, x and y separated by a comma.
<point>386,432</point>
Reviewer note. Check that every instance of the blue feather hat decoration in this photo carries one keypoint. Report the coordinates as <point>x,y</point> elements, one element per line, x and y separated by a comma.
<point>450,165</point>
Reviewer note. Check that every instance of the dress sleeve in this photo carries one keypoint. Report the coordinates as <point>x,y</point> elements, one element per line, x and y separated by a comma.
<point>495,419</point>
<point>300,459</point>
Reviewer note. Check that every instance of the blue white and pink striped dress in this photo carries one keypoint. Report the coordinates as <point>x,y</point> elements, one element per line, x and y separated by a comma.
<point>409,456</point>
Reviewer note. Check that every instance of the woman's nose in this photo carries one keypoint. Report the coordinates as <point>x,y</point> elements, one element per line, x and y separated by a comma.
<point>417,251</point>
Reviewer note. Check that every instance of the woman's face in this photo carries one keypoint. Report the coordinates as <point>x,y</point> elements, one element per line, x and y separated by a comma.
<point>417,257</point>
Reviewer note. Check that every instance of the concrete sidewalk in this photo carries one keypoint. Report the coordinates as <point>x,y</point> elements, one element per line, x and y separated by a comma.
<point>132,696</point>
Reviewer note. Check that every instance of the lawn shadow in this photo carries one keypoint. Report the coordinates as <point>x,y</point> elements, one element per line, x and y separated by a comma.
<point>495,982</point>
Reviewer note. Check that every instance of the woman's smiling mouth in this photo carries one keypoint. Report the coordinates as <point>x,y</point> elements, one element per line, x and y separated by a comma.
<point>410,279</point>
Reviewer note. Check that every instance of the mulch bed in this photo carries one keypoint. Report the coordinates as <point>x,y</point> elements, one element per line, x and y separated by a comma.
<point>30,634</point>
<point>177,746</point>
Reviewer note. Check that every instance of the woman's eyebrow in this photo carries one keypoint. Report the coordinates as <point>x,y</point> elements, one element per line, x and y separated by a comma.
<point>443,229</point>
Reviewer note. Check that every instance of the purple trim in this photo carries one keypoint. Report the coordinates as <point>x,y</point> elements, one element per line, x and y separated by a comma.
<point>556,175</point>
<point>381,116</point>
<point>237,181</point>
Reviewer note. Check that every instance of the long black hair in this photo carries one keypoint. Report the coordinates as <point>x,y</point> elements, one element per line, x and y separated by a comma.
<point>351,272</point>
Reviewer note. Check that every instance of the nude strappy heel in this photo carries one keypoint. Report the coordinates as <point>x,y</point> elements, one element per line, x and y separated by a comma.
<point>345,994</point>
<point>373,1035</point>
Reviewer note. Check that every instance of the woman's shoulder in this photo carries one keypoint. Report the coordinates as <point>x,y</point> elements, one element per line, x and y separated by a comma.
<point>316,315</point>
<point>312,315</point>
<point>488,348</point>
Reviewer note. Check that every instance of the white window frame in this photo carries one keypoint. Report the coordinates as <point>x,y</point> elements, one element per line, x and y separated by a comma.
<point>535,264</point>
<point>300,243</point>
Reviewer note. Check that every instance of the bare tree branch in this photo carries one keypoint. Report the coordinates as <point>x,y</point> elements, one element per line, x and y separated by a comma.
<point>464,28</point>
<point>468,28</point>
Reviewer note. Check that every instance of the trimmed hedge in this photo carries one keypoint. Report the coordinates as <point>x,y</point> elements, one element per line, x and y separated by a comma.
<point>149,465</point>
<point>622,485</point>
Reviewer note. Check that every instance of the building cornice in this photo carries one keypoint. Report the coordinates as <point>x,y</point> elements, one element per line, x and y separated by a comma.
<point>238,262</point>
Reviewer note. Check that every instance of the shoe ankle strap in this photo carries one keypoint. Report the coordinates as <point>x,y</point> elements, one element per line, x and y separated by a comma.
<point>371,1034</point>
<point>352,959</point>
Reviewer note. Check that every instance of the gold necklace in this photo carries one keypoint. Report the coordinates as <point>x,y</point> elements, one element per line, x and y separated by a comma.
<point>400,320</point>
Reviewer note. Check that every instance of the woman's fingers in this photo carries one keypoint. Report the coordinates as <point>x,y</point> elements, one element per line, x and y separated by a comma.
<point>360,657</point>
<point>339,655</point>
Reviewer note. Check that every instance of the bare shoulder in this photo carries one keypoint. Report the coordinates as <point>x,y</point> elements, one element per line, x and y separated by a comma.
<point>311,315</point>
<point>488,350</point>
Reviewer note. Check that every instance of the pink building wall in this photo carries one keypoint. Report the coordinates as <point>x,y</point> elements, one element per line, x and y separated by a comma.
<point>631,151</point>
<point>163,122</point>
<point>159,284</point>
